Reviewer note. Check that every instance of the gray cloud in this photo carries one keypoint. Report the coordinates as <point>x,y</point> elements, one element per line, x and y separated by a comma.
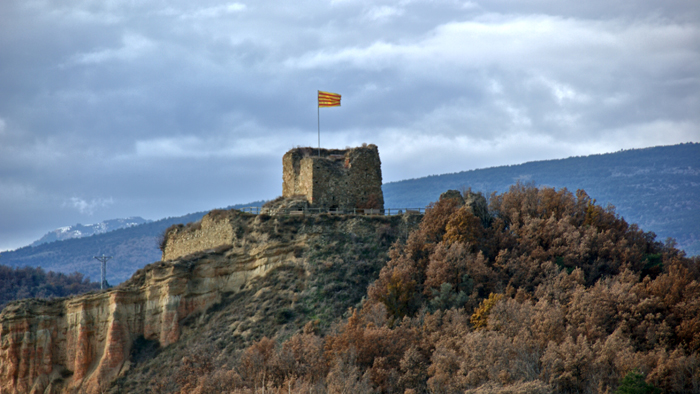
<point>88,207</point>
<point>165,107</point>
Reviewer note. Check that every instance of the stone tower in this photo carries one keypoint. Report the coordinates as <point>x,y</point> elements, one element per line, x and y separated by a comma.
<point>338,179</point>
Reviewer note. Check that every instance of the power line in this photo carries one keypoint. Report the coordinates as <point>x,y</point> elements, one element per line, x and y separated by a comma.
<point>103,260</point>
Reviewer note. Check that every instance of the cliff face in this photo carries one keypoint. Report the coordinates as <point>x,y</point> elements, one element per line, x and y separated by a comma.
<point>83,343</point>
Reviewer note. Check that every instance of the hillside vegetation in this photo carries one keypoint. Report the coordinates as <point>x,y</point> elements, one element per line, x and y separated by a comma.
<point>658,188</point>
<point>540,291</point>
<point>337,258</point>
<point>28,282</point>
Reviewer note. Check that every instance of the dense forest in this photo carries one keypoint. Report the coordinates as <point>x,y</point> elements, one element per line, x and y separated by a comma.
<point>534,290</point>
<point>28,282</point>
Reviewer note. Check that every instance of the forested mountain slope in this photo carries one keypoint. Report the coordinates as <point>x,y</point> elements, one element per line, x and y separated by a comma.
<point>28,282</point>
<point>658,188</point>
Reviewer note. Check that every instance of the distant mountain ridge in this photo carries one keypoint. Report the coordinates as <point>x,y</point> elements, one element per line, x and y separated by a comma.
<point>80,231</point>
<point>657,188</point>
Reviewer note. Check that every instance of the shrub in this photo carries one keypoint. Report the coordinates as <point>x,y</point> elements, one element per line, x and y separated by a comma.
<point>634,383</point>
<point>480,318</point>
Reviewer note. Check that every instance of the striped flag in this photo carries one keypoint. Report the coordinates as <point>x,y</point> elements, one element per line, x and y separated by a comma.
<point>326,99</point>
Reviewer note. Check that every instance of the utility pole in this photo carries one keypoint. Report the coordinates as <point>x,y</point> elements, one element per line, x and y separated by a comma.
<point>103,260</point>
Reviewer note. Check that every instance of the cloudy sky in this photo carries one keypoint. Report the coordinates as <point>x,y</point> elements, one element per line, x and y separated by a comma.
<point>155,108</point>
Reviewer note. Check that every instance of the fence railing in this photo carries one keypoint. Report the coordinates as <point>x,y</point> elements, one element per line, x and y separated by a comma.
<point>336,211</point>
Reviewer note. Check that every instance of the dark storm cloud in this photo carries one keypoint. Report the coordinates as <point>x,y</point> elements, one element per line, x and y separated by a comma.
<point>158,108</point>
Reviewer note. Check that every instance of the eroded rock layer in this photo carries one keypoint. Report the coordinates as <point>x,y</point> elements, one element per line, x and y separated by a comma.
<point>83,343</point>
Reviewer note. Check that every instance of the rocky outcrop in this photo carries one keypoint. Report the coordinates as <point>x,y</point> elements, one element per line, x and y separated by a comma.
<point>286,206</point>
<point>475,202</point>
<point>83,343</point>
<point>454,195</point>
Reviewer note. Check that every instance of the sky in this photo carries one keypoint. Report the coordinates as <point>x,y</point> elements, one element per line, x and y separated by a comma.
<point>158,108</point>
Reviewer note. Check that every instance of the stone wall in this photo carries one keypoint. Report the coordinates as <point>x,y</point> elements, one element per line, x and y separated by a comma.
<point>343,179</point>
<point>216,229</point>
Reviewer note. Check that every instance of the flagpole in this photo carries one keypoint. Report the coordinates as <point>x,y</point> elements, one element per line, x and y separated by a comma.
<point>326,99</point>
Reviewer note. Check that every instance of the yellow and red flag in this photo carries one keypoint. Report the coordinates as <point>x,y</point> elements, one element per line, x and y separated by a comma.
<point>326,99</point>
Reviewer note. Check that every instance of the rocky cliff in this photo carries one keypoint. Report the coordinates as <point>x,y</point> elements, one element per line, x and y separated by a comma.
<point>82,344</point>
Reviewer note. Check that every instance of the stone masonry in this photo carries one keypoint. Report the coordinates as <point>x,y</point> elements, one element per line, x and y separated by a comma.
<point>216,229</point>
<point>338,179</point>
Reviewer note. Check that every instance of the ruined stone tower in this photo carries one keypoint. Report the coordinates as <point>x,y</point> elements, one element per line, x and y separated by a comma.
<point>338,179</point>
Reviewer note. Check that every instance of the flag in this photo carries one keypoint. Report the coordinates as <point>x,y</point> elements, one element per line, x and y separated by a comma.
<point>326,99</point>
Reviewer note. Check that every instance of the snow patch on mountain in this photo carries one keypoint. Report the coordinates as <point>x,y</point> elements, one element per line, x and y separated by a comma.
<point>80,230</point>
